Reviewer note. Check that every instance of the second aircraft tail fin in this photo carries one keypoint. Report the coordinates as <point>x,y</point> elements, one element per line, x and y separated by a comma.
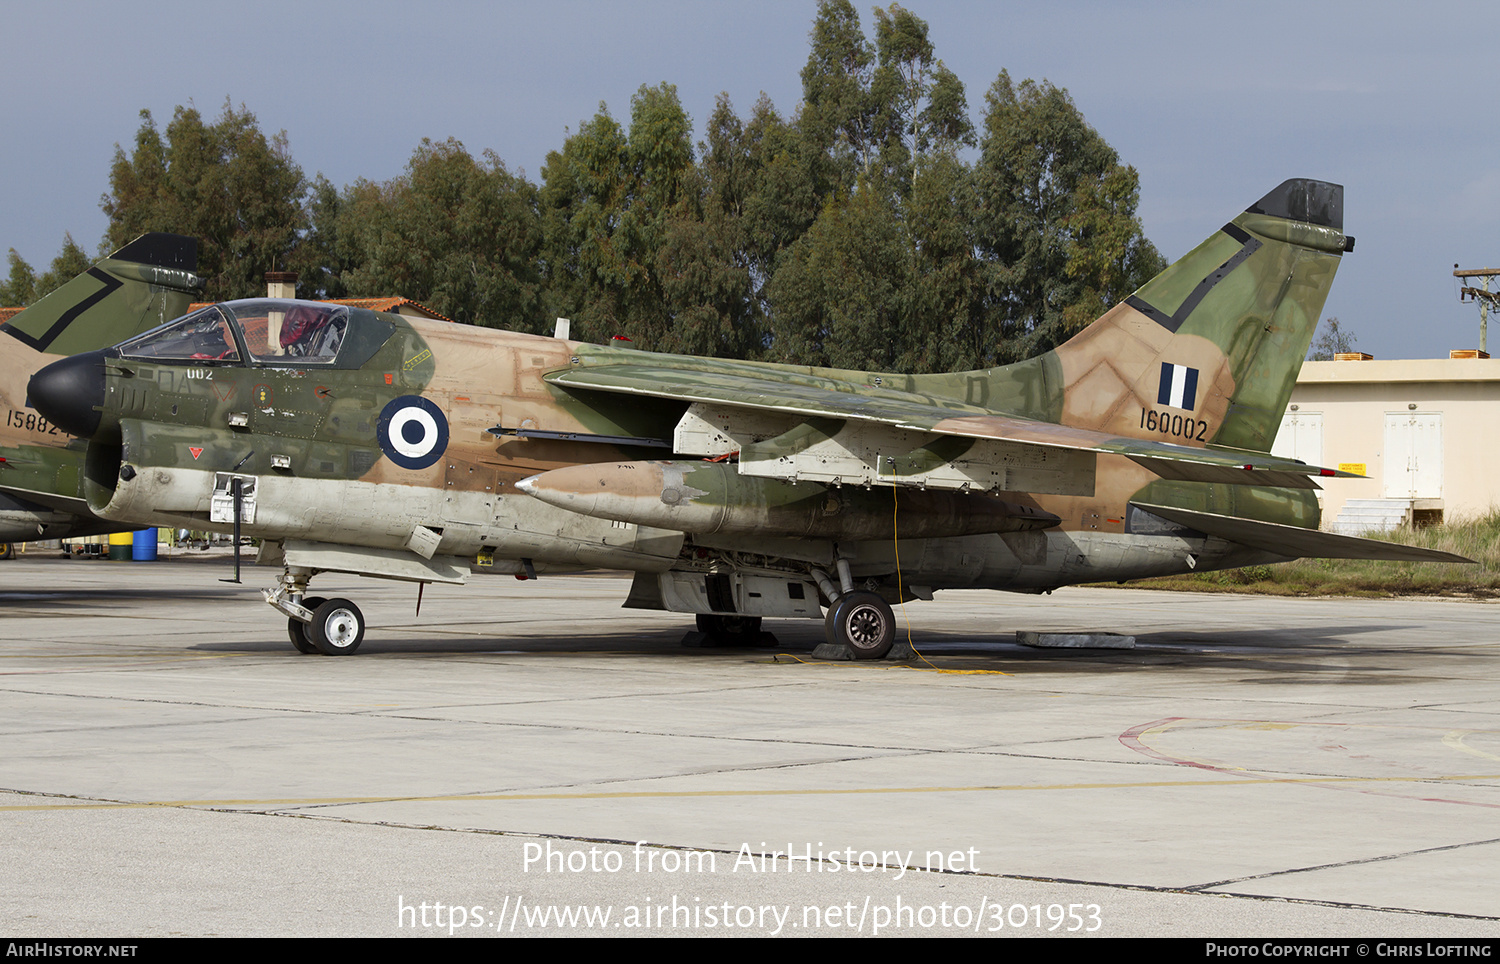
<point>147,282</point>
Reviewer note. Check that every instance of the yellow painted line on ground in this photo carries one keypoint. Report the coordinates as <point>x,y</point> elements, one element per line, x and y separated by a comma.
<point>688,794</point>
<point>1455,740</point>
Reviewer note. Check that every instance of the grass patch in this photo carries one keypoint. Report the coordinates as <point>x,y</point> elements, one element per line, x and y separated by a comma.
<point>1477,539</point>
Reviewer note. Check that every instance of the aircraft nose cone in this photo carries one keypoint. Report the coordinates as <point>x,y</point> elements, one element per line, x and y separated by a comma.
<point>70,393</point>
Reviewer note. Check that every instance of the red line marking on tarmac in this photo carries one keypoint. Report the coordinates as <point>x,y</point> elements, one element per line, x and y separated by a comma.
<point>1132,739</point>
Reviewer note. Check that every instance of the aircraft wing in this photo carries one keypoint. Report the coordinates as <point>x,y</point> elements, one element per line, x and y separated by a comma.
<point>1294,542</point>
<point>920,414</point>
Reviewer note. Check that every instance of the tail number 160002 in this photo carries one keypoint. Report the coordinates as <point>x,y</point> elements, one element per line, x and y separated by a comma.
<point>1174,425</point>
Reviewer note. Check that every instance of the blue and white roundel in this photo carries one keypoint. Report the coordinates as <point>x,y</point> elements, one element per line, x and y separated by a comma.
<point>412,432</point>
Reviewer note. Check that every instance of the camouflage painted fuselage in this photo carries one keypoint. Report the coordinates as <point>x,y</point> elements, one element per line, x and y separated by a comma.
<point>175,423</point>
<point>408,442</point>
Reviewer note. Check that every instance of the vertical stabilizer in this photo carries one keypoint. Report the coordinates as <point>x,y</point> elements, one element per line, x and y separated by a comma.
<point>1208,351</point>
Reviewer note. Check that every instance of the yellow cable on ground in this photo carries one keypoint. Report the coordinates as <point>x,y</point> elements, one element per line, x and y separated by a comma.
<point>896,548</point>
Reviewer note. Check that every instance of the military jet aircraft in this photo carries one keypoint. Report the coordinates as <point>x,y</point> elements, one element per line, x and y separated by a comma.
<point>357,442</point>
<point>148,281</point>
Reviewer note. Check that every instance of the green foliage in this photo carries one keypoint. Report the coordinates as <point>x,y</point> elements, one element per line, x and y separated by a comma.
<point>326,255</point>
<point>69,264</point>
<point>837,110</point>
<point>225,183</point>
<point>862,286</point>
<point>944,124</point>
<point>952,266</point>
<point>1057,222</point>
<point>458,235</point>
<point>627,247</point>
<point>1332,339</point>
<point>1244,576</point>
<point>840,292</point>
<point>947,285</point>
<point>761,184</point>
<point>24,286</point>
<point>19,289</point>
<point>897,90</point>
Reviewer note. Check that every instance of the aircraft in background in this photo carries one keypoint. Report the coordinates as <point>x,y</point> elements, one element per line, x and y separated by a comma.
<point>357,442</point>
<point>148,281</point>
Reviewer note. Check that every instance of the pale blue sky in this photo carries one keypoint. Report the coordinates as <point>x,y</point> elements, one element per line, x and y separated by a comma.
<point>1213,104</point>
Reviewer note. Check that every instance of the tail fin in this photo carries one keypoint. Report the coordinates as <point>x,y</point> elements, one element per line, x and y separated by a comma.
<point>145,283</point>
<point>1209,350</point>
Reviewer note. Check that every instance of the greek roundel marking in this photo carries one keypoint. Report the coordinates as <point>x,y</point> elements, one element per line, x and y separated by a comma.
<point>412,432</point>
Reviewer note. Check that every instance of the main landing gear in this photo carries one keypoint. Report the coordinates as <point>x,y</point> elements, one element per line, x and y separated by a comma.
<point>333,627</point>
<point>862,623</point>
<point>859,624</point>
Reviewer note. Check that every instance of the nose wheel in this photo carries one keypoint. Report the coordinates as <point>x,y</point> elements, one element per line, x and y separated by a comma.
<point>337,627</point>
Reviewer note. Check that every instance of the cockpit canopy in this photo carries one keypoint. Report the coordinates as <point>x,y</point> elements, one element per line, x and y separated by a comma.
<point>264,331</point>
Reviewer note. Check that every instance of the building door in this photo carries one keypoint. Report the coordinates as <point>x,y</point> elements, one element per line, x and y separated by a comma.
<point>1300,437</point>
<point>1414,455</point>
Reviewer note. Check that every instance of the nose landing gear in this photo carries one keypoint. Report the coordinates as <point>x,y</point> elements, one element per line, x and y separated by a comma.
<point>333,627</point>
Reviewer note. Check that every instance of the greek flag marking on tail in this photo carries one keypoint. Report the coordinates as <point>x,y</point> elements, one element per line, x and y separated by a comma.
<point>1179,386</point>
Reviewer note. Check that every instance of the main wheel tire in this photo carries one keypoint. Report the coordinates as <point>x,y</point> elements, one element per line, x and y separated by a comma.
<point>296,629</point>
<point>864,623</point>
<point>337,628</point>
<point>730,630</point>
<point>7,550</point>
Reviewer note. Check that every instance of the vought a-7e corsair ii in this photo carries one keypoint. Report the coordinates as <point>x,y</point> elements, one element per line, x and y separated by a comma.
<point>357,442</point>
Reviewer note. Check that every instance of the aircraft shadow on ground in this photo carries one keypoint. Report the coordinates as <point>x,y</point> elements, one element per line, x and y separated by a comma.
<point>77,600</point>
<point>1314,652</point>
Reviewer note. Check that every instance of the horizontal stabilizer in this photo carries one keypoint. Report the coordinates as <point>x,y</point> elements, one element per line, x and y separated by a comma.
<point>1295,542</point>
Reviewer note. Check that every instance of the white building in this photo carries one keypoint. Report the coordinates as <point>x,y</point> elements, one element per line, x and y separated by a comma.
<point>1424,431</point>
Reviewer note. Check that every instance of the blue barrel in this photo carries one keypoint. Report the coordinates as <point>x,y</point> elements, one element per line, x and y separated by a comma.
<point>143,546</point>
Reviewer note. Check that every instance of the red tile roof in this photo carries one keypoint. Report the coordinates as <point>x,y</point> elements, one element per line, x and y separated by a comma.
<point>390,304</point>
